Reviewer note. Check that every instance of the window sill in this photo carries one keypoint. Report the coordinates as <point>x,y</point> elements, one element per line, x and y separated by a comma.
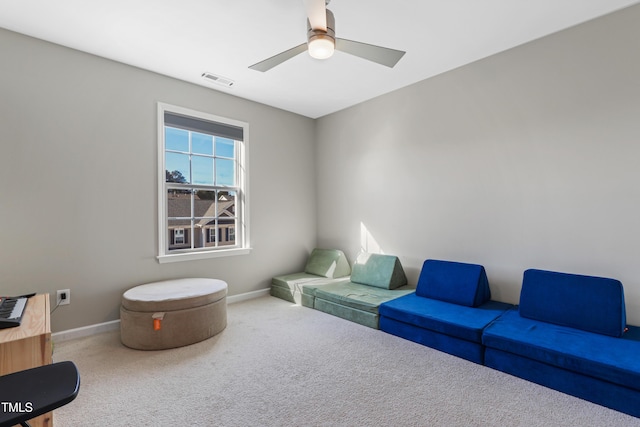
<point>191,256</point>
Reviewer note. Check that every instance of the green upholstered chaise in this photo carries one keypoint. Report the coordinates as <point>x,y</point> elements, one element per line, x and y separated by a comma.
<point>324,266</point>
<point>375,279</point>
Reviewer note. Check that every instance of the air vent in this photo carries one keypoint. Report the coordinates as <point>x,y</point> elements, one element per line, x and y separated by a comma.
<point>218,79</point>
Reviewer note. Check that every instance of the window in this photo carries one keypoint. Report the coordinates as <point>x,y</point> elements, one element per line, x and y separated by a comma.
<point>178,236</point>
<point>202,185</point>
<point>211,232</point>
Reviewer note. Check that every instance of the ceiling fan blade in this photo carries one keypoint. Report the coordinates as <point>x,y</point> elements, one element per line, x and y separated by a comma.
<point>379,54</point>
<point>278,59</point>
<point>317,14</point>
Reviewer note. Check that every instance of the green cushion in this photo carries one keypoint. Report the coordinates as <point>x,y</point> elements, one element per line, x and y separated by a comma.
<point>293,281</point>
<point>283,293</point>
<point>365,318</point>
<point>358,296</point>
<point>331,263</point>
<point>290,287</point>
<point>381,271</point>
<point>308,292</point>
<point>307,300</point>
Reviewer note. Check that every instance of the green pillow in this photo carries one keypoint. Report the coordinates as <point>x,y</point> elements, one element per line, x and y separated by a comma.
<point>331,263</point>
<point>381,271</point>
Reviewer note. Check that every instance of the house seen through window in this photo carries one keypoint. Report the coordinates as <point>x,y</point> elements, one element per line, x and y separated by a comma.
<point>203,189</point>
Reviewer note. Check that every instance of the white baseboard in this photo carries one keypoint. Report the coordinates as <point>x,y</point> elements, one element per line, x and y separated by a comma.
<point>114,325</point>
<point>85,331</point>
<point>248,295</point>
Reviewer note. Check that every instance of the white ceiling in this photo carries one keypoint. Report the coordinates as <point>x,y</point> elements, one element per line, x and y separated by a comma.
<point>183,39</point>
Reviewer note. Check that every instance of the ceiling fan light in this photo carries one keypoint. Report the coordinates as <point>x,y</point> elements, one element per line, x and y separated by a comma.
<point>322,41</point>
<point>321,47</point>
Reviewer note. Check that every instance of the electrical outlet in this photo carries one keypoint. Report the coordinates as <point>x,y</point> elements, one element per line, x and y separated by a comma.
<point>64,297</point>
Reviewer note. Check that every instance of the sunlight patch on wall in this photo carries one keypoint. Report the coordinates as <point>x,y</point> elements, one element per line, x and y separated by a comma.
<point>367,242</point>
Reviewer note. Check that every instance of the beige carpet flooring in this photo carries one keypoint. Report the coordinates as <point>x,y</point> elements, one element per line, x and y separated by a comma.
<point>277,364</point>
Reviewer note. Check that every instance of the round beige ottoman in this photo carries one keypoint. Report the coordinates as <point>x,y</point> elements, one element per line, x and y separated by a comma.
<point>173,313</point>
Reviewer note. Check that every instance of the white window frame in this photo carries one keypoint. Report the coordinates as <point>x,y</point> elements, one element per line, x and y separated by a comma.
<point>242,246</point>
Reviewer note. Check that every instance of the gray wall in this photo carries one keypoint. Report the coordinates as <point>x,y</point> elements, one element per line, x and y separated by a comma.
<point>78,154</point>
<point>527,159</point>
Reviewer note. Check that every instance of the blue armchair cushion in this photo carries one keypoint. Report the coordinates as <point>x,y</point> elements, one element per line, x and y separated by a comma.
<point>593,304</point>
<point>377,270</point>
<point>454,282</point>
<point>443,317</point>
<point>600,356</point>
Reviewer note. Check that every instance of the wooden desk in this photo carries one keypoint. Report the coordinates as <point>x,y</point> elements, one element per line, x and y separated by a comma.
<point>29,345</point>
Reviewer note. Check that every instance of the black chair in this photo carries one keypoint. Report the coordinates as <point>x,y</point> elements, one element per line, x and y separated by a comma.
<point>27,394</point>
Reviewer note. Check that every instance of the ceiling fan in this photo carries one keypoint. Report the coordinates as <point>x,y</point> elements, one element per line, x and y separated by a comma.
<point>322,41</point>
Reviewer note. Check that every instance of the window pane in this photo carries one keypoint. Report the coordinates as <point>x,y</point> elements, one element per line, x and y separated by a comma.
<point>205,230</point>
<point>177,167</point>
<point>179,203</point>
<point>202,168</point>
<point>225,147</point>
<point>176,139</point>
<point>204,205</point>
<point>201,233</point>
<point>179,234</point>
<point>201,143</point>
<point>225,172</point>
<point>226,204</point>
<point>227,235</point>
